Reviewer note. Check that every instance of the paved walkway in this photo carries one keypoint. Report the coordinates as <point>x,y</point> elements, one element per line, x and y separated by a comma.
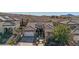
<point>28,44</point>
<point>24,44</point>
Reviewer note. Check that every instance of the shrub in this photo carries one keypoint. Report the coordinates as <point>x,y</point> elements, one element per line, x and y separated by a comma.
<point>11,42</point>
<point>62,34</point>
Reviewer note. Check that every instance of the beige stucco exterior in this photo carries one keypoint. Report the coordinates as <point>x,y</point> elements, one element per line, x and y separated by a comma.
<point>1,27</point>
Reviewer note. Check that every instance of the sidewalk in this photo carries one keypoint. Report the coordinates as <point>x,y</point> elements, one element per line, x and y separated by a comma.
<point>24,44</point>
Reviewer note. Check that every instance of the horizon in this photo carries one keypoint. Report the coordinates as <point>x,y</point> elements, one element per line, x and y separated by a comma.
<point>47,13</point>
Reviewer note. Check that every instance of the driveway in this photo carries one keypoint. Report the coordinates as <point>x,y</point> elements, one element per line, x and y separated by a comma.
<point>24,44</point>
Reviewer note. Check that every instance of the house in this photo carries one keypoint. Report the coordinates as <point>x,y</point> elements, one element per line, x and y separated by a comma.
<point>32,27</point>
<point>8,24</point>
<point>28,33</point>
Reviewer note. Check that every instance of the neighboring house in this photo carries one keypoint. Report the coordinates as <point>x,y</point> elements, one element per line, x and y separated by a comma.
<point>74,25</point>
<point>76,34</point>
<point>8,23</point>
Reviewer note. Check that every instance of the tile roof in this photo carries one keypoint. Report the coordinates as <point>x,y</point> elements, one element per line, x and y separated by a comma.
<point>48,26</point>
<point>28,28</point>
<point>8,18</point>
<point>76,30</point>
<point>70,22</point>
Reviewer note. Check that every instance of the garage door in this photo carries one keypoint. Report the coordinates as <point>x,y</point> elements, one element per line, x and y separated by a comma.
<point>29,34</point>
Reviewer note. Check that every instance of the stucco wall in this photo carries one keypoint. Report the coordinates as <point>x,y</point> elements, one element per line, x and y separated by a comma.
<point>1,27</point>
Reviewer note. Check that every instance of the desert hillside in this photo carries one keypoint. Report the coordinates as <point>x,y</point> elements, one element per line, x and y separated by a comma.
<point>38,18</point>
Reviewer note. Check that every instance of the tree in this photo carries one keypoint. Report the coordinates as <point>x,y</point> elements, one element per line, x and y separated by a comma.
<point>62,34</point>
<point>40,32</point>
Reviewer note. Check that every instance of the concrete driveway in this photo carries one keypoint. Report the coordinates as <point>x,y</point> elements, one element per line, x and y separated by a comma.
<point>24,44</point>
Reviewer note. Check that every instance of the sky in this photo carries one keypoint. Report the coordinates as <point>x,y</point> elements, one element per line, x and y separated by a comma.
<point>47,13</point>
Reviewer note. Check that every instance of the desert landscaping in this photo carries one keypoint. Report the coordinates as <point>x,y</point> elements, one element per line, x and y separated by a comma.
<point>31,30</point>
